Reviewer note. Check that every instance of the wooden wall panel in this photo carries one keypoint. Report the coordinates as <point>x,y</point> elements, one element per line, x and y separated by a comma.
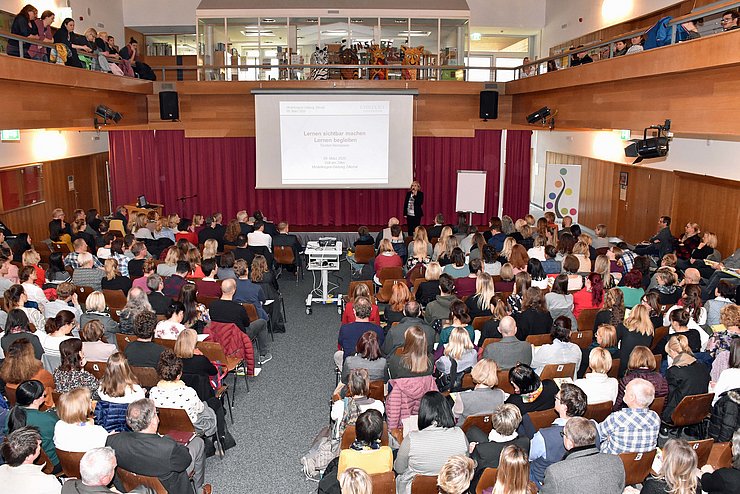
<point>713,203</point>
<point>87,194</point>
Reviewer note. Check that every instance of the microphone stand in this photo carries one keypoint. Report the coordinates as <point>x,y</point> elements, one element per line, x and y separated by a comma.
<point>182,203</point>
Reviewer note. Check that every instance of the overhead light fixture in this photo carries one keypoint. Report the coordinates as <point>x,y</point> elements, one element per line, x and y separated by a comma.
<point>268,20</point>
<point>650,147</point>
<point>401,21</point>
<point>312,21</point>
<point>258,32</point>
<point>357,21</point>
<point>417,34</point>
<point>541,116</point>
<point>106,114</point>
<point>335,32</point>
<point>475,36</point>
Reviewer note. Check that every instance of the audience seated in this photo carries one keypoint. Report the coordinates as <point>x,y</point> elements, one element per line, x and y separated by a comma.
<point>439,309</point>
<point>678,470</point>
<point>460,350</point>
<point>722,480</point>
<point>21,365</point>
<point>145,452</point>
<point>458,317</point>
<point>85,274</point>
<point>348,314</point>
<point>481,303</point>
<point>172,326</point>
<point>118,387</point>
<point>509,350</point>
<point>20,448</point>
<point>57,330</point>
<point>723,295</point>
<point>366,451</point>
<point>395,335</point>
<point>484,398</point>
<point>522,283</point>
<point>591,296</point>
<point>429,289</point>
<point>413,359</point>
<point>74,431</point>
<point>149,268</point>
<point>227,311</point>
<point>637,330</point>
<point>136,303</point>
<point>685,375</point>
<point>633,429</point>
<point>16,328</point>
<point>597,385</point>
<point>367,356</point>
<point>143,352</point>
<point>136,265</point>
<point>174,283</point>
<point>157,299</point>
<point>400,296</point>
<point>424,452</point>
<point>350,334</point>
<point>356,400</point>
<point>561,350</point>
<point>29,396</point>
<point>548,447</point>
<point>97,469</point>
<point>534,318</point>
<point>721,341</point>
<point>530,393</point>
<point>584,469</point>
<point>70,373</point>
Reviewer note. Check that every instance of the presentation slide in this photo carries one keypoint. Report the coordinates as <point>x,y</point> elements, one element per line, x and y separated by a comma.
<point>334,142</point>
<point>334,139</point>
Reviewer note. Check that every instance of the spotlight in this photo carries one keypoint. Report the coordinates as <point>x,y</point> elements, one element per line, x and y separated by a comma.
<point>106,114</point>
<point>539,115</point>
<point>650,147</point>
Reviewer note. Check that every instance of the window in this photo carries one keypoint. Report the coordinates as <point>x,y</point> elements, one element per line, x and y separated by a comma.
<point>21,187</point>
<point>479,74</point>
<point>507,75</point>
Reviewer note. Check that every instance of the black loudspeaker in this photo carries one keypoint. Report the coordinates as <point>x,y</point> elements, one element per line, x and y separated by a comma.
<point>488,105</point>
<point>169,107</point>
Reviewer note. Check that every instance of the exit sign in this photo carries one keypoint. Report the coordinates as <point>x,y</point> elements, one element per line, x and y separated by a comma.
<point>10,135</point>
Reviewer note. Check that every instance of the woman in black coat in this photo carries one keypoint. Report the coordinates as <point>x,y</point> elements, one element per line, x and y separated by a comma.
<point>412,209</point>
<point>534,317</point>
<point>23,25</point>
<point>686,376</point>
<point>65,35</point>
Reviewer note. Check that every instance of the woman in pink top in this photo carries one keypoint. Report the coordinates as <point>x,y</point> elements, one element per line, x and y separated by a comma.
<point>387,258</point>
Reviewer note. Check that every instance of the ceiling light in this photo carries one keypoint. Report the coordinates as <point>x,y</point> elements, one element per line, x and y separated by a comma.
<point>357,21</point>
<point>475,36</point>
<point>401,21</point>
<point>415,33</point>
<point>335,32</point>
<point>258,32</point>
<point>268,20</point>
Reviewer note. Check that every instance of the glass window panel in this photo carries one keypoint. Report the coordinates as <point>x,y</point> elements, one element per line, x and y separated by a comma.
<point>215,43</point>
<point>425,32</point>
<point>186,45</point>
<point>333,34</point>
<point>478,75</point>
<point>452,36</point>
<point>307,39</point>
<point>244,42</point>
<point>393,34</point>
<point>507,75</point>
<point>160,45</point>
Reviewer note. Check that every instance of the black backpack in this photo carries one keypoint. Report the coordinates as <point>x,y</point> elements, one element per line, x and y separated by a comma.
<point>725,418</point>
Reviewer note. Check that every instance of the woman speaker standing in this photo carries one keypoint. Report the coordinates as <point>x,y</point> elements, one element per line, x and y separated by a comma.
<point>412,207</point>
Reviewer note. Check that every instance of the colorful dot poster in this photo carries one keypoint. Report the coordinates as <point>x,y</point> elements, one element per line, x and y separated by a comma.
<point>562,191</point>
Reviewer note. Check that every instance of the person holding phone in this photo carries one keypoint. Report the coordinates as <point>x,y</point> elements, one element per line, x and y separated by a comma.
<point>412,206</point>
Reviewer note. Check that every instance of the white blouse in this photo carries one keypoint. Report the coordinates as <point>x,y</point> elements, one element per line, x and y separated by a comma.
<point>598,387</point>
<point>79,438</point>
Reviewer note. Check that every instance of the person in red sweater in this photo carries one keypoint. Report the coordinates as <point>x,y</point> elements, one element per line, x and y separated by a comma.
<point>387,258</point>
<point>590,296</point>
<point>361,290</point>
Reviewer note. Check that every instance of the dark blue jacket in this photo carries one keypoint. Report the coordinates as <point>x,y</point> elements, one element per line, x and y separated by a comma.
<point>111,416</point>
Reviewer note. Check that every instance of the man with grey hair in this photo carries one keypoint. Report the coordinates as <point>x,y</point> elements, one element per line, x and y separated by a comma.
<point>510,350</point>
<point>86,274</point>
<point>97,469</point>
<point>19,474</point>
<point>396,335</point>
<point>633,429</point>
<point>158,300</point>
<point>584,469</point>
<point>145,452</point>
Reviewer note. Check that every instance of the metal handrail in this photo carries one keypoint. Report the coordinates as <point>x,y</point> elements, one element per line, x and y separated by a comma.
<point>22,40</point>
<point>673,24</point>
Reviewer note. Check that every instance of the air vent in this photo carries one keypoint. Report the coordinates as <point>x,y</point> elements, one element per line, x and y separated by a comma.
<point>332,11</point>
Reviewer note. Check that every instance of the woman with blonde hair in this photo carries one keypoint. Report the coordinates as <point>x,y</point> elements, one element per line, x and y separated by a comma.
<point>429,289</point>
<point>513,471</point>
<point>210,248</point>
<point>193,360</point>
<point>597,385</point>
<point>600,242</point>
<point>506,284</point>
<point>386,258</point>
<point>456,475</point>
<point>138,226</point>
<point>603,267</point>
<point>641,365</point>
<point>118,388</point>
<point>689,241</point>
<point>355,481</point>
<point>636,330</point>
<point>678,471</point>
<point>481,304</point>
<point>704,250</point>
<point>96,310</point>
<point>420,249</point>
<point>113,279</point>
<point>580,252</point>
<point>75,431</point>
<point>509,244</point>
<point>421,236</point>
<point>685,375</point>
<point>461,349</point>
<point>485,397</point>
<point>265,278</point>
<point>168,267</point>
<point>613,310</point>
<point>413,359</point>
<point>32,258</point>
<point>360,290</point>
<point>400,295</point>
<point>447,256</point>
<point>441,246</point>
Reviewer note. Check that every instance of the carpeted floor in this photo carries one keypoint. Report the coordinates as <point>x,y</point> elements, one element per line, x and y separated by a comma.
<point>287,403</point>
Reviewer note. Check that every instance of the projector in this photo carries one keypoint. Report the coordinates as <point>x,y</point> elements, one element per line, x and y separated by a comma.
<point>327,242</point>
<point>650,147</point>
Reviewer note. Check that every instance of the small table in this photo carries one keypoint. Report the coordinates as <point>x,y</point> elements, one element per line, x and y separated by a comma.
<point>323,259</point>
<point>134,209</point>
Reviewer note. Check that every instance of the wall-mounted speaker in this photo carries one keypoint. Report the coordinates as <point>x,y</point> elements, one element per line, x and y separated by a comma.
<point>169,107</point>
<point>488,105</point>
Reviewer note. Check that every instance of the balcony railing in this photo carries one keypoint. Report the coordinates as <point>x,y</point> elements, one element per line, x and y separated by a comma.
<point>607,49</point>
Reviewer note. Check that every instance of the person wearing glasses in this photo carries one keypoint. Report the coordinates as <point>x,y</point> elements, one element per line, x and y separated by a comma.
<point>730,20</point>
